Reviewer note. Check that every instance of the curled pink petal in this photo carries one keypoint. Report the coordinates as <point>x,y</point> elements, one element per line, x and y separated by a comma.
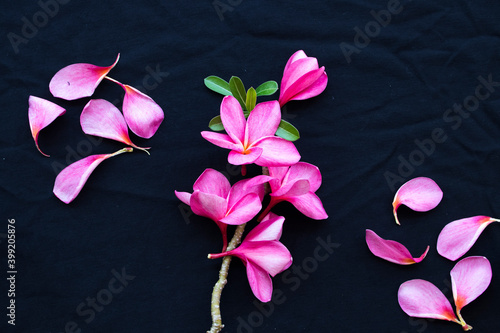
<point>391,250</point>
<point>260,282</point>
<point>78,80</point>
<point>101,118</point>
<point>420,194</point>
<point>41,113</point>
<point>422,299</point>
<point>459,236</point>
<point>69,182</point>
<point>469,279</point>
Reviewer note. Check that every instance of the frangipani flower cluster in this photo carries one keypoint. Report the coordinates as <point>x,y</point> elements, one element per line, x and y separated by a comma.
<point>470,277</point>
<point>256,134</point>
<point>99,117</point>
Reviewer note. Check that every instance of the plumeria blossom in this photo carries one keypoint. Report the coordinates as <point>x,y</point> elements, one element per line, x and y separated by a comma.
<point>253,140</point>
<point>302,78</point>
<point>296,184</point>
<point>70,181</point>
<point>263,255</point>
<point>41,113</point>
<point>142,114</point>
<point>470,278</point>
<point>213,197</point>
<point>78,80</point>
<point>101,118</point>
<point>391,250</point>
<point>420,194</point>
<point>459,236</point>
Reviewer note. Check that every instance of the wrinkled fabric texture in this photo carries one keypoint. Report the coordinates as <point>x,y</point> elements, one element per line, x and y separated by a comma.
<point>413,90</point>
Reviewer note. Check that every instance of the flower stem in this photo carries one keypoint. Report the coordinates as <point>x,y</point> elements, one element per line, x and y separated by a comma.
<point>216,293</point>
<point>465,326</point>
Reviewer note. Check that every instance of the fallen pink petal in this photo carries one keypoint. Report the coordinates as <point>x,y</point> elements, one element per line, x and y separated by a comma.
<point>78,80</point>
<point>469,279</point>
<point>70,181</point>
<point>142,114</point>
<point>302,78</point>
<point>391,250</point>
<point>263,255</point>
<point>41,113</point>
<point>101,118</point>
<point>421,299</point>
<point>420,194</point>
<point>459,236</point>
<point>253,140</point>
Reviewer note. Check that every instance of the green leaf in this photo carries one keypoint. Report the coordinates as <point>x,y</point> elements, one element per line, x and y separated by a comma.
<point>215,124</point>
<point>287,131</point>
<point>238,90</point>
<point>251,99</point>
<point>218,85</point>
<point>267,88</point>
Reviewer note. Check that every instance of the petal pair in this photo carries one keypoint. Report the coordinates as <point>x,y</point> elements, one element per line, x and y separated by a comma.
<point>391,250</point>
<point>469,278</point>
<point>41,113</point>
<point>302,78</point>
<point>252,140</point>
<point>459,236</point>
<point>420,194</point>
<point>69,182</point>
<point>263,255</point>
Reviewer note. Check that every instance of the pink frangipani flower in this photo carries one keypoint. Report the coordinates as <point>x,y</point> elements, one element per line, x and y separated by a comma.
<point>302,78</point>
<point>420,194</point>
<point>459,236</point>
<point>296,184</point>
<point>41,113</point>
<point>213,197</point>
<point>78,80</point>
<point>101,118</point>
<point>142,114</point>
<point>69,182</point>
<point>253,140</point>
<point>263,255</point>
<point>391,250</point>
<point>469,278</point>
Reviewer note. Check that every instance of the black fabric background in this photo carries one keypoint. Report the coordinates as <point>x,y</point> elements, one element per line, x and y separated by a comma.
<point>377,111</point>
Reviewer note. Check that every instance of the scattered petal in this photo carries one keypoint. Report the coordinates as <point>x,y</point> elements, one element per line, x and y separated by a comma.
<point>391,250</point>
<point>101,118</point>
<point>78,80</point>
<point>420,194</point>
<point>459,236</point>
<point>69,182</point>
<point>41,113</point>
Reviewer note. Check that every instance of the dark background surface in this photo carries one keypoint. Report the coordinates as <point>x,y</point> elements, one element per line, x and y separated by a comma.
<point>376,116</point>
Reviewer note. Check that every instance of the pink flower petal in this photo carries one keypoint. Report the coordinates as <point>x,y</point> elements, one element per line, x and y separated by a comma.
<point>221,140</point>
<point>208,205</point>
<point>233,119</point>
<point>314,89</point>
<point>276,152</point>
<point>213,182</point>
<point>300,54</point>
<point>248,157</point>
<point>306,86</point>
<point>422,299</point>
<point>470,278</point>
<point>263,121</point>
<point>41,113</point>
<point>391,250</point>
<point>293,189</point>
<point>269,229</point>
<point>303,170</point>
<point>245,186</point>
<point>459,236</point>
<point>310,205</point>
<point>260,282</point>
<point>78,80</point>
<point>101,118</point>
<point>420,194</point>
<point>272,256</point>
<point>244,210</point>
<point>295,70</point>
<point>69,182</point>
<point>185,197</point>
